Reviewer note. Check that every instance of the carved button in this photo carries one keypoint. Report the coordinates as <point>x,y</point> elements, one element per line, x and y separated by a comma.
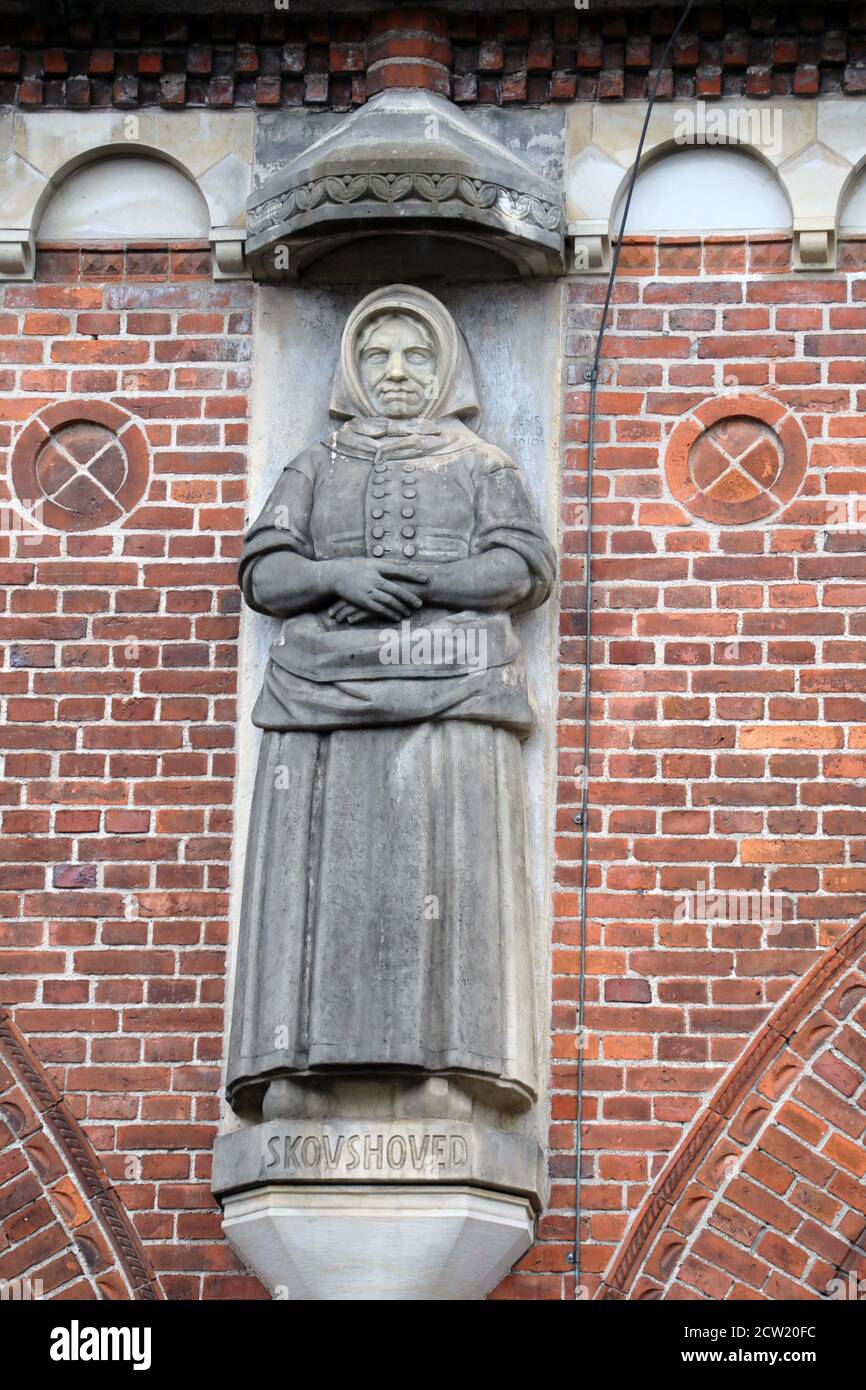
<point>378,550</point>
<point>408,550</point>
<point>408,511</point>
<point>380,492</point>
<point>380,467</point>
<point>377,511</point>
<point>409,492</point>
<point>408,468</point>
<point>407,531</point>
<point>378,531</point>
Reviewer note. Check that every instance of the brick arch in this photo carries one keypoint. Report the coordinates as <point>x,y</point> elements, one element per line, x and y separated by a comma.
<point>765,1196</point>
<point>63,1230</point>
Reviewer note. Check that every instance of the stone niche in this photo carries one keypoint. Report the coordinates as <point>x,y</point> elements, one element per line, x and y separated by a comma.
<point>381,1187</point>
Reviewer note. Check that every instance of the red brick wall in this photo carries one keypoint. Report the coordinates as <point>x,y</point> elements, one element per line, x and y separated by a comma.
<point>728,708</point>
<point>117,732</point>
<point>728,729</point>
<point>764,1197</point>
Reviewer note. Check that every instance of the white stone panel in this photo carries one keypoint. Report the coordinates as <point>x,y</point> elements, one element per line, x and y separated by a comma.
<point>225,186</point>
<point>21,187</point>
<point>705,190</point>
<point>593,181</point>
<point>842,127</point>
<point>815,180</point>
<point>125,197</point>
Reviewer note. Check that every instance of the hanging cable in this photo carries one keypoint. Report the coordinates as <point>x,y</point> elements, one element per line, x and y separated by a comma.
<point>582,818</point>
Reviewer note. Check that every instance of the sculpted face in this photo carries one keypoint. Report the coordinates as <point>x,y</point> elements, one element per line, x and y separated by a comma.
<point>397,364</point>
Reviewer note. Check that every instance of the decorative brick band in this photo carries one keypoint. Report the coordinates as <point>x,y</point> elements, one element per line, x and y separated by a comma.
<point>144,263</point>
<point>91,1236</point>
<point>276,60</point>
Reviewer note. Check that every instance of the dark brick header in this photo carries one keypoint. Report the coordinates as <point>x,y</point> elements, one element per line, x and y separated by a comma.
<point>278,60</point>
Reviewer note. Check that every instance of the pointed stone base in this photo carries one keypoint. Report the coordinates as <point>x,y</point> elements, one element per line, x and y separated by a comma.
<point>381,1243</point>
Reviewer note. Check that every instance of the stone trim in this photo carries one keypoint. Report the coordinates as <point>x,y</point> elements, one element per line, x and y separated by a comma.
<point>391,188</point>
<point>214,150</point>
<point>815,150</point>
<point>818,154</point>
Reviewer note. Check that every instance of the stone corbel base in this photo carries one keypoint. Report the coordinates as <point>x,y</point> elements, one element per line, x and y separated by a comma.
<point>381,1243</point>
<point>588,245</point>
<point>17,254</point>
<point>378,1208</point>
<point>229,262</point>
<point>814,245</point>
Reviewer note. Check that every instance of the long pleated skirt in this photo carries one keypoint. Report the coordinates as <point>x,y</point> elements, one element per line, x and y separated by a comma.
<point>386,910</point>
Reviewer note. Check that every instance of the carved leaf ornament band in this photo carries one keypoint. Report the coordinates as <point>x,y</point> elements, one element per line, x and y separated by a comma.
<point>343,189</point>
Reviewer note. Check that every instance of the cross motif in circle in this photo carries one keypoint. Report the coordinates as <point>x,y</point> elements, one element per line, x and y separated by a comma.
<point>80,468</point>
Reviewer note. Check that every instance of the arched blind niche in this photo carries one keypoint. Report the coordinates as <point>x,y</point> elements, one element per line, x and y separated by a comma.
<point>718,189</point>
<point>124,198</point>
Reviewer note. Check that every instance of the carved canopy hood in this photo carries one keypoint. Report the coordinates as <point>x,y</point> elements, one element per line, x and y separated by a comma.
<point>411,165</point>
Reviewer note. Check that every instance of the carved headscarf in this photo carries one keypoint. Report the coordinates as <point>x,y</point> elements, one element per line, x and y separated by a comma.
<point>457,395</point>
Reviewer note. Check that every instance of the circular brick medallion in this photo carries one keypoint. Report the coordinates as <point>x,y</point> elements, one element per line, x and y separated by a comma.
<point>736,459</point>
<point>84,464</point>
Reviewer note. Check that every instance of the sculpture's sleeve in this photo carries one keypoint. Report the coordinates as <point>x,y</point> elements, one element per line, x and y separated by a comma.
<point>505,516</point>
<point>283,523</point>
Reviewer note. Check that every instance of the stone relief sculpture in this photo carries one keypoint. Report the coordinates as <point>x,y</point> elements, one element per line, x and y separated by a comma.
<point>386,920</point>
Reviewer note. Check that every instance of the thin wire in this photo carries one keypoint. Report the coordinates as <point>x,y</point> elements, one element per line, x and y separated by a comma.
<point>591,375</point>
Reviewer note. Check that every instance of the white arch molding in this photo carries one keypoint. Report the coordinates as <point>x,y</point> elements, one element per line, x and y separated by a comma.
<point>808,150</point>
<point>112,175</point>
